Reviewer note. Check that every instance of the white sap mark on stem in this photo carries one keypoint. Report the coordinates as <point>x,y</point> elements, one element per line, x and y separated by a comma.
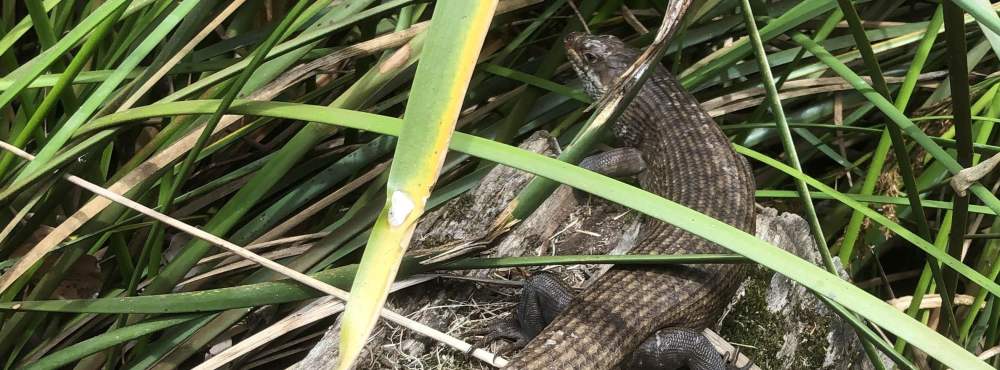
<point>400,207</point>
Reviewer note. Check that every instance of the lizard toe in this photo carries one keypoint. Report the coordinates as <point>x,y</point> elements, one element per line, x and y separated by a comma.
<point>501,329</point>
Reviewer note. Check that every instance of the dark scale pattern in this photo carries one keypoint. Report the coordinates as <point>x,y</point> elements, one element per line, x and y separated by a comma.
<point>688,160</point>
<point>672,348</point>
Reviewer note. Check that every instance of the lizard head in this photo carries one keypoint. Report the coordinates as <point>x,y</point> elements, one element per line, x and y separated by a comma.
<point>598,60</point>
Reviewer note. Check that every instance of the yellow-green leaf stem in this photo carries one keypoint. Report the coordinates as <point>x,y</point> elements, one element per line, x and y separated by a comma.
<point>454,41</point>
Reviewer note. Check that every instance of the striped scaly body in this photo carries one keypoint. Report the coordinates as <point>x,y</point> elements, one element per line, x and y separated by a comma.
<point>689,161</point>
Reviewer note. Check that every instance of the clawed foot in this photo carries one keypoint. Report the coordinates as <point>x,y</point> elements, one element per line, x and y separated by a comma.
<point>543,297</point>
<point>506,329</point>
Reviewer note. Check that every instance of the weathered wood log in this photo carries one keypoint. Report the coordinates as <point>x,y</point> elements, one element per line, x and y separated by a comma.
<point>780,324</point>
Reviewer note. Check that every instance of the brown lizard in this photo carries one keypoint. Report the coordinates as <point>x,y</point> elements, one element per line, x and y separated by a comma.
<point>688,160</point>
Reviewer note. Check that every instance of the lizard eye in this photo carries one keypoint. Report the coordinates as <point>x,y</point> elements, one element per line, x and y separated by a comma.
<point>589,57</point>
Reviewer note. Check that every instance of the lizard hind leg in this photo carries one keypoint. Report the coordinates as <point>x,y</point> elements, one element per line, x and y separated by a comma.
<point>543,297</point>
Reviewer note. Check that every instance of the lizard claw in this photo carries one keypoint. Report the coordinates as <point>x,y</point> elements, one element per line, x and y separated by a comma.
<point>732,357</point>
<point>505,328</point>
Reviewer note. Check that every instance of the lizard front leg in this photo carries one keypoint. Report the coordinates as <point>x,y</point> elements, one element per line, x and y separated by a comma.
<point>618,162</point>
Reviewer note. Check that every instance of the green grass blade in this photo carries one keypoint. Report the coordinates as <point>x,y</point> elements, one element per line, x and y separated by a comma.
<point>983,14</point>
<point>12,35</point>
<point>31,70</point>
<point>802,12</point>
<point>351,14</point>
<point>961,108</point>
<point>284,291</point>
<point>275,169</point>
<point>65,79</point>
<point>793,158</point>
<point>536,82</point>
<point>97,98</point>
<point>896,117</point>
<point>786,134</point>
<point>882,148</point>
<point>877,199</point>
<point>98,343</point>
